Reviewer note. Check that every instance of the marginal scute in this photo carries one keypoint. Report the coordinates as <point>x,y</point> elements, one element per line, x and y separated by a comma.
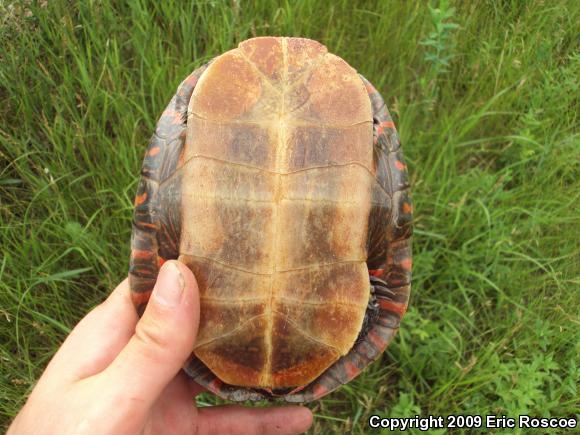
<point>276,194</point>
<point>145,212</point>
<point>170,218</point>
<point>152,162</point>
<point>399,180</point>
<point>398,265</point>
<point>401,227</point>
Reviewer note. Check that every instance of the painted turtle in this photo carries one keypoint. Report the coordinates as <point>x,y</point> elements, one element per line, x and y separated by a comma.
<point>276,175</point>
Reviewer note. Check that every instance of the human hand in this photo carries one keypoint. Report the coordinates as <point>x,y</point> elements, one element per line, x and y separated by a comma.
<point>118,374</point>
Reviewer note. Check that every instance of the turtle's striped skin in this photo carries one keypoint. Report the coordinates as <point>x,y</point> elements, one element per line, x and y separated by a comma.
<point>298,232</point>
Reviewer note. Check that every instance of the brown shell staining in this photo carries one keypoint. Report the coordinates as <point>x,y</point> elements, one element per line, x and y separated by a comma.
<point>276,196</point>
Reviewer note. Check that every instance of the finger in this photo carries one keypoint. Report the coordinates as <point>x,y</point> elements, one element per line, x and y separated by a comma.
<point>173,411</point>
<point>97,339</point>
<point>163,339</point>
<point>249,421</point>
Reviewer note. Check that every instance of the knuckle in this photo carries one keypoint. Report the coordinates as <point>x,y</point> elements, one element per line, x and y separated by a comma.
<point>152,335</point>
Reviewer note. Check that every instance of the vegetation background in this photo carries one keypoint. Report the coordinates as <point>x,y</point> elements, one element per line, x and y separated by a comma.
<point>485,97</point>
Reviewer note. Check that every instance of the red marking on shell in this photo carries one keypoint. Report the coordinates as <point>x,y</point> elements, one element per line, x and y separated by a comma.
<point>154,151</point>
<point>385,304</point>
<point>351,369</point>
<point>406,263</point>
<point>400,165</point>
<point>407,208</point>
<point>370,88</point>
<point>376,272</point>
<point>141,271</point>
<point>177,119</point>
<point>296,390</point>
<point>140,298</point>
<point>215,385</point>
<point>388,124</point>
<point>191,80</point>
<point>318,391</point>
<point>141,254</point>
<point>171,113</point>
<point>140,199</point>
<point>160,261</point>
<point>379,343</point>
<point>148,225</point>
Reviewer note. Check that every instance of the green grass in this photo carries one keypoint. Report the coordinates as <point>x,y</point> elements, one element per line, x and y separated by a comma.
<point>485,97</point>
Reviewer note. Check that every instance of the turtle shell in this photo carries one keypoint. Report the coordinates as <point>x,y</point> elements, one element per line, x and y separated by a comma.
<point>276,175</point>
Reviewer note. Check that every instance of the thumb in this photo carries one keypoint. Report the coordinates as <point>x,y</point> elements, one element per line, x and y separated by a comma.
<point>163,339</point>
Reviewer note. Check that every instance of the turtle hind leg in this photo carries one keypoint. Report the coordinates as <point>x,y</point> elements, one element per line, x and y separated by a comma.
<point>371,314</point>
<point>203,376</point>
